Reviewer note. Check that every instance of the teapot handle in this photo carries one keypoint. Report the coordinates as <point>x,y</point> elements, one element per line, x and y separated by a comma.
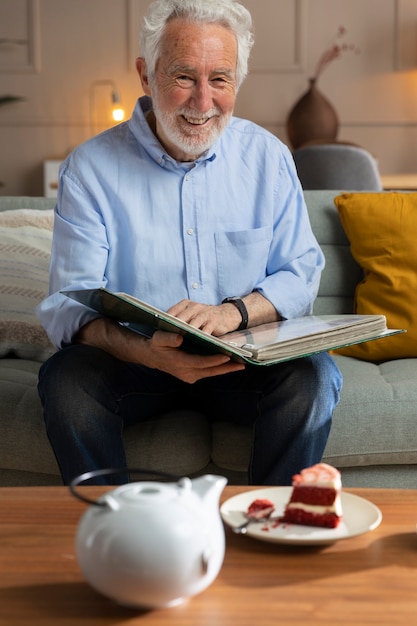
<point>112,471</point>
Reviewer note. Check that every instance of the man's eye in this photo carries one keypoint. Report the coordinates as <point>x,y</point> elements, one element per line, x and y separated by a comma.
<point>221,80</point>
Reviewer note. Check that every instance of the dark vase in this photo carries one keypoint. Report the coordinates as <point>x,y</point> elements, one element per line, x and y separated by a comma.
<point>312,119</point>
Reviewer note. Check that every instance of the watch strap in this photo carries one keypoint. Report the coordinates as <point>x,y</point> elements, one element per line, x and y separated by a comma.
<point>239,304</point>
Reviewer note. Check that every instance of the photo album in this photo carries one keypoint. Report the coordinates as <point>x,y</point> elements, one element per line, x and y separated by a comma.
<point>266,344</point>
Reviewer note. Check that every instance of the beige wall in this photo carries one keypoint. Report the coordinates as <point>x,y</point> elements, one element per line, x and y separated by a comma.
<point>62,46</point>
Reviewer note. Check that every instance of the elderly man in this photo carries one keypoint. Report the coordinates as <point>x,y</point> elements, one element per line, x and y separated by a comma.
<point>198,213</point>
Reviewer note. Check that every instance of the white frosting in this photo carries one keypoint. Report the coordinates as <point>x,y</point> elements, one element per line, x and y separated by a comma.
<point>320,475</point>
<point>336,507</point>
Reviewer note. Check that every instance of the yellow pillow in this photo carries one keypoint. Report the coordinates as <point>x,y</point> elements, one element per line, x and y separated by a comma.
<point>382,230</point>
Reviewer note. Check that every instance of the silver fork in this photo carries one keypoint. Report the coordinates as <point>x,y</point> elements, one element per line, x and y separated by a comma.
<point>243,528</point>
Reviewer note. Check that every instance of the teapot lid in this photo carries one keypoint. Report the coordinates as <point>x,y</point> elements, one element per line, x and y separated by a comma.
<point>129,490</point>
<point>146,494</point>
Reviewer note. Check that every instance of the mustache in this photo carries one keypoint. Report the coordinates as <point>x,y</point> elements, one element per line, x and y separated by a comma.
<point>192,113</point>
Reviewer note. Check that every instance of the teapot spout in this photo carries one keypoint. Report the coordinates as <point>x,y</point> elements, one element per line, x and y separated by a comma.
<point>209,488</point>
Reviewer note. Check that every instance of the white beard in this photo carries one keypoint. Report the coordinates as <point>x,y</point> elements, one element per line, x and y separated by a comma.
<point>195,140</point>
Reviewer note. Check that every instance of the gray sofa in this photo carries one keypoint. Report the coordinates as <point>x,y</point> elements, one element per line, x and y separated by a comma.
<point>374,435</point>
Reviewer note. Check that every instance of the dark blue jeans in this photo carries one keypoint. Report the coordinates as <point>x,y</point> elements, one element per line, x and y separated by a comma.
<point>89,396</point>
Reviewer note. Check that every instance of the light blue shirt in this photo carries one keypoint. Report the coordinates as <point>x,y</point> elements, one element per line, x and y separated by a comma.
<point>131,218</point>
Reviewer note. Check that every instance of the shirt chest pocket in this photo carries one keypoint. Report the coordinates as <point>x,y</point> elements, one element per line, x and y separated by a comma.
<point>242,258</point>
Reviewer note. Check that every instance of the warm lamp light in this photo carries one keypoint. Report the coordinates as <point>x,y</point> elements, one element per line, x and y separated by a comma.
<point>117,111</point>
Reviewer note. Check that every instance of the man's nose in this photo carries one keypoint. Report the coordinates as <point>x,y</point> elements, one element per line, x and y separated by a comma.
<point>202,96</point>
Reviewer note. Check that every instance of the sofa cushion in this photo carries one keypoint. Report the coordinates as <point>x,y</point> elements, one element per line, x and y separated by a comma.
<point>231,445</point>
<point>381,228</point>
<point>178,442</point>
<point>341,273</point>
<point>25,244</point>
<point>24,445</point>
<point>375,421</point>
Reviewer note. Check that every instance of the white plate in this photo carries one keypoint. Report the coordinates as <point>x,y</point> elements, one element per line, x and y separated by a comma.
<point>359,516</point>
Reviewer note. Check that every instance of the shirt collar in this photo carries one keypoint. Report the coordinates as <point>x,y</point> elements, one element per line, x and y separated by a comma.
<point>144,135</point>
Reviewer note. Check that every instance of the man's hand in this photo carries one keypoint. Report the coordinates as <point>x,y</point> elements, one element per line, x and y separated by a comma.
<point>161,352</point>
<point>165,355</point>
<point>225,318</point>
<point>214,320</point>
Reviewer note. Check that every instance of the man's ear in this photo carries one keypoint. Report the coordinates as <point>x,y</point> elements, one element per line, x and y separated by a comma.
<point>143,75</point>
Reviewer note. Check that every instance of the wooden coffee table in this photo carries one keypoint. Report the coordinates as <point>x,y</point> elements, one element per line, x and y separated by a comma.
<point>369,579</point>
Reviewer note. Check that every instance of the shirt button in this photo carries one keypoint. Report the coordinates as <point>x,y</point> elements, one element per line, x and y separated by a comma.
<point>194,285</point>
<point>190,231</point>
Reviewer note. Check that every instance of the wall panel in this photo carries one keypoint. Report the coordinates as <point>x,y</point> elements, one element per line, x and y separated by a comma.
<point>68,45</point>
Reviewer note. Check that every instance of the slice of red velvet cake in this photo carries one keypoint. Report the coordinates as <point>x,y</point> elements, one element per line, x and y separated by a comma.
<point>315,498</point>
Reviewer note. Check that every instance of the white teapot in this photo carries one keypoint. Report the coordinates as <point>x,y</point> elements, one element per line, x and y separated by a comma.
<point>151,544</point>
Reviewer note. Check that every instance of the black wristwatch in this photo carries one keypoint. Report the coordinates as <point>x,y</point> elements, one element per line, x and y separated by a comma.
<point>238,302</point>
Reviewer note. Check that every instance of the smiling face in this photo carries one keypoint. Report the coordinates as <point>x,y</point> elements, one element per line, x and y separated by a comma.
<point>194,87</point>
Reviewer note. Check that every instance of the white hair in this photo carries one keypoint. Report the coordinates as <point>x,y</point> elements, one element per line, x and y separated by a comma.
<point>228,13</point>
